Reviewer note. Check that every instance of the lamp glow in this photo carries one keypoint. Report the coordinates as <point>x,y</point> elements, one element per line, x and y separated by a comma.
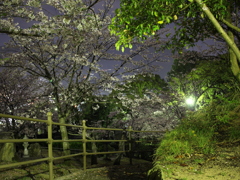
<point>190,101</point>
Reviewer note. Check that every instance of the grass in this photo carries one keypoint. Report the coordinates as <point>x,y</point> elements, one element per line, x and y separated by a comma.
<point>199,161</point>
<point>184,141</point>
<point>223,174</point>
<point>234,133</point>
<point>200,132</point>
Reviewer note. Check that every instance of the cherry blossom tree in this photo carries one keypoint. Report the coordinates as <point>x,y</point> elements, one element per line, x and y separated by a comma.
<point>26,10</point>
<point>71,51</point>
<point>18,96</point>
<point>144,104</point>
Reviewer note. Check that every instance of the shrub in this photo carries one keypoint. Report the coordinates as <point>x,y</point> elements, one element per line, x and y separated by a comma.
<point>199,131</point>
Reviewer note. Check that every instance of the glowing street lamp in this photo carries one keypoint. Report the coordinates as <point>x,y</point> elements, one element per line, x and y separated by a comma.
<point>190,101</point>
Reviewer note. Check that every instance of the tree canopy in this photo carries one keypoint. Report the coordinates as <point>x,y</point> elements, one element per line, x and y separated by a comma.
<point>202,77</point>
<point>138,20</point>
<point>70,51</point>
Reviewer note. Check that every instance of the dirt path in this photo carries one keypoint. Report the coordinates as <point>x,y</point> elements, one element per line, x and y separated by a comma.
<point>119,172</point>
<point>223,165</point>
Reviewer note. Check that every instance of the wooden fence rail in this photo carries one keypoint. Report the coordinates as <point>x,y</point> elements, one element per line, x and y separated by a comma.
<point>50,142</point>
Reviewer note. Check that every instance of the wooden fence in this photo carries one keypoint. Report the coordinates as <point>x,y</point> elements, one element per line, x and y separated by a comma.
<point>50,142</point>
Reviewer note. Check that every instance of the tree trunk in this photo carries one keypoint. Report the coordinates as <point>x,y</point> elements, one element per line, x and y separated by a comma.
<point>230,41</point>
<point>232,55</point>
<point>106,144</point>
<point>8,126</point>
<point>121,148</point>
<point>94,150</point>
<point>233,59</point>
<point>64,134</point>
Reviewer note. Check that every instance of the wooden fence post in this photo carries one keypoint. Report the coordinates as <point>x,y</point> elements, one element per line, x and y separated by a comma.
<point>50,147</point>
<point>84,145</point>
<point>130,143</point>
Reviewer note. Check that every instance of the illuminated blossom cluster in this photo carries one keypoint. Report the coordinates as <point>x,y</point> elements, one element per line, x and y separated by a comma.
<point>70,49</point>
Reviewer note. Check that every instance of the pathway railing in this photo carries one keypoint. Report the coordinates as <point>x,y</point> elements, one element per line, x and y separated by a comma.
<point>84,140</point>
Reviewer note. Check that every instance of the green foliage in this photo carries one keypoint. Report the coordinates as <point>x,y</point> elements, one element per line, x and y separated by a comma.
<point>139,20</point>
<point>204,80</point>
<point>200,130</point>
<point>96,108</point>
<point>57,145</point>
<point>141,84</point>
<point>182,67</point>
<point>187,138</point>
<point>212,83</point>
<point>75,145</point>
<point>234,133</point>
<point>222,114</point>
<point>25,178</point>
<point>155,172</point>
<point>72,145</point>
